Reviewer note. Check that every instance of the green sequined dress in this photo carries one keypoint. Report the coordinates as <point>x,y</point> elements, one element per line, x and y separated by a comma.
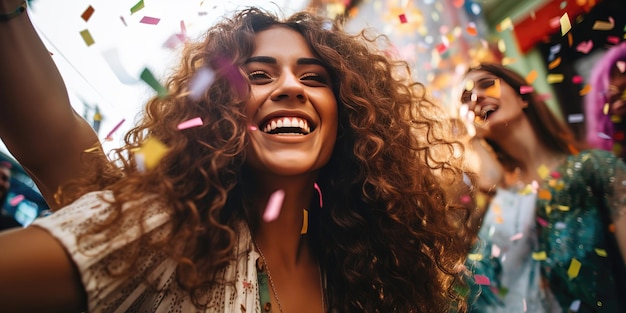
<point>573,252</point>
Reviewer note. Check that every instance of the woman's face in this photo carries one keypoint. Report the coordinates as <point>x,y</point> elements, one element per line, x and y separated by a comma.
<point>494,103</point>
<point>292,110</point>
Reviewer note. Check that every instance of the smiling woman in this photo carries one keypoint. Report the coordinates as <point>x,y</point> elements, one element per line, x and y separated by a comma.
<point>319,180</point>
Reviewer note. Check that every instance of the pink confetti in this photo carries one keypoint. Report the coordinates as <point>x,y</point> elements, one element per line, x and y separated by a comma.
<point>150,20</point>
<point>275,203</point>
<point>544,97</point>
<point>108,136</point>
<point>555,22</point>
<point>613,39</point>
<point>319,192</point>
<point>525,89</point>
<point>200,82</point>
<point>621,65</point>
<point>517,236</point>
<point>194,122</point>
<point>403,19</point>
<point>466,198</point>
<point>442,48</point>
<point>482,280</point>
<point>16,200</point>
<point>495,251</point>
<point>584,46</point>
<point>253,128</point>
<point>542,222</point>
<point>577,79</point>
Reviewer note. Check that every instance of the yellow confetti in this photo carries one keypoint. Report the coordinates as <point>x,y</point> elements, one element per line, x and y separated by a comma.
<point>554,63</point>
<point>543,171</point>
<point>87,37</point>
<point>506,23</point>
<point>499,219</point>
<point>528,189</point>
<point>585,90</point>
<point>475,256</point>
<point>305,222</point>
<point>501,46</point>
<point>605,110</point>
<point>563,208</point>
<point>554,78</point>
<point>616,119</point>
<point>574,269</point>
<point>493,91</point>
<point>603,25</point>
<point>548,209</point>
<point>152,150</point>
<point>539,256</point>
<point>469,84</point>
<point>530,78</point>
<point>566,25</point>
<point>508,60</point>
<point>601,252</point>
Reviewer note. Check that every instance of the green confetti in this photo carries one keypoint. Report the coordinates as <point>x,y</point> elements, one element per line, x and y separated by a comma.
<point>136,7</point>
<point>147,77</point>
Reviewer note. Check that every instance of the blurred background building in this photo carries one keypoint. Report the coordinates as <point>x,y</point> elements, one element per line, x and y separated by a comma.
<point>553,42</point>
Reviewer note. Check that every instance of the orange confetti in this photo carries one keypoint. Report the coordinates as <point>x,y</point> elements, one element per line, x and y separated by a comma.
<point>554,63</point>
<point>87,14</point>
<point>493,91</point>
<point>530,78</point>
<point>602,25</point>
<point>585,90</point>
<point>458,3</point>
<point>544,194</point>
<point>471,29</point>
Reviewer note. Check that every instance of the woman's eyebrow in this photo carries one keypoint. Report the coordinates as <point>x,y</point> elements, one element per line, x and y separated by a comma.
<point>272,60</point>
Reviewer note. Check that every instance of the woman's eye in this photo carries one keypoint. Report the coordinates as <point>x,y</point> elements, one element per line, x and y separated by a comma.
<point>259,75</point>
<point>314,77</point>
<point>486,83</point>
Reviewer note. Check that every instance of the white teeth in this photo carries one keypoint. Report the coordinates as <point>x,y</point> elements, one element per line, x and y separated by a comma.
<point>287,122</point>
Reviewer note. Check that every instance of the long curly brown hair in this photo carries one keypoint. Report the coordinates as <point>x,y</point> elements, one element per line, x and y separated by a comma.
<point>392,234</point>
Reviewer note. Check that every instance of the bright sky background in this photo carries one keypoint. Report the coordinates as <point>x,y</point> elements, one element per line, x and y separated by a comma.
<point>88,75</point>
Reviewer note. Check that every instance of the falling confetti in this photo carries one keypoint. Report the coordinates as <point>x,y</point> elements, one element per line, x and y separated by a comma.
<point>493,91</point>
<point>87,37</point>
<point>525,89</point>
<point>108,136</point>
<point>152,151</point>
<point>305,222</point>
<point>554,78</point>
<point>274,204</point>
<point>149,78</point>
<point>482,280</point>
<point>200,82</point>
<point>574,269</point>
<point>194,122</point>
<point>87,14</point>
<point>150,20</point>
<point>16,200</point>
<point>137,7</point>
<point>604,25</point>
<point>566,25</point>
<point>319,192</point>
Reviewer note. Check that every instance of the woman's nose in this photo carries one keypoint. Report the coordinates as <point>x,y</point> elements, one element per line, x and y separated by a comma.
<point>289,86</point>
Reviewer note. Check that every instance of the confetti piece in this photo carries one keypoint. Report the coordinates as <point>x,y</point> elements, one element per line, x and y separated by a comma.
<point>574,306</point>
<point>584,46</point>
<point>566,25</point>
<point>87,37</point>
<point>600,252</point>
<point>305,222</point>
<point>505,24</point>
<point>471,29</point>
<point>482,280</point>
<point>544,194</point>
<point>542,222</point>
<point>577,79</point>
<point>147,77</point>
<point>92,149</point>
<point>194,122</point>
<point>136,7</point>
<point>530,78</point>
<point>554,64</point>
<point>575,118</point>
<point>16,200</point>
<point>87,14</point>
<point>586,89</point>
<point>493,91</point>
<point>108,136</point>
<point>152,151</point>
<point>112,57</point>
<point>508,61</point>
<point>574,269</point>
<point>606,109</point>
<point>252,128</point>
<point>495,251</point>
<point>123,21</point>
<point>604,25</point>
<point>554,78</point>
<point>525,89</point>
<point>403,19</point>
<point>543,171</point>
<point>150,20</point>
<point>559,225</point>
<point>319,192</point>
<point>501,45</point>
<point>555,22</point>
<point>563,208</point>
<point>274,204</point>
<point>517,236</point>
<point>539,256</point>
<point>612,39</point>
<point>458,3</point>
<point>475,256</point>
<point>200,82</point>
<point>544,96</point>
<point>621,65</point>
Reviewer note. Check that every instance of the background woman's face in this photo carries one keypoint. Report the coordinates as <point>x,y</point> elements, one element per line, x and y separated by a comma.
<point>616,95</point>
<point>292,105</point>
